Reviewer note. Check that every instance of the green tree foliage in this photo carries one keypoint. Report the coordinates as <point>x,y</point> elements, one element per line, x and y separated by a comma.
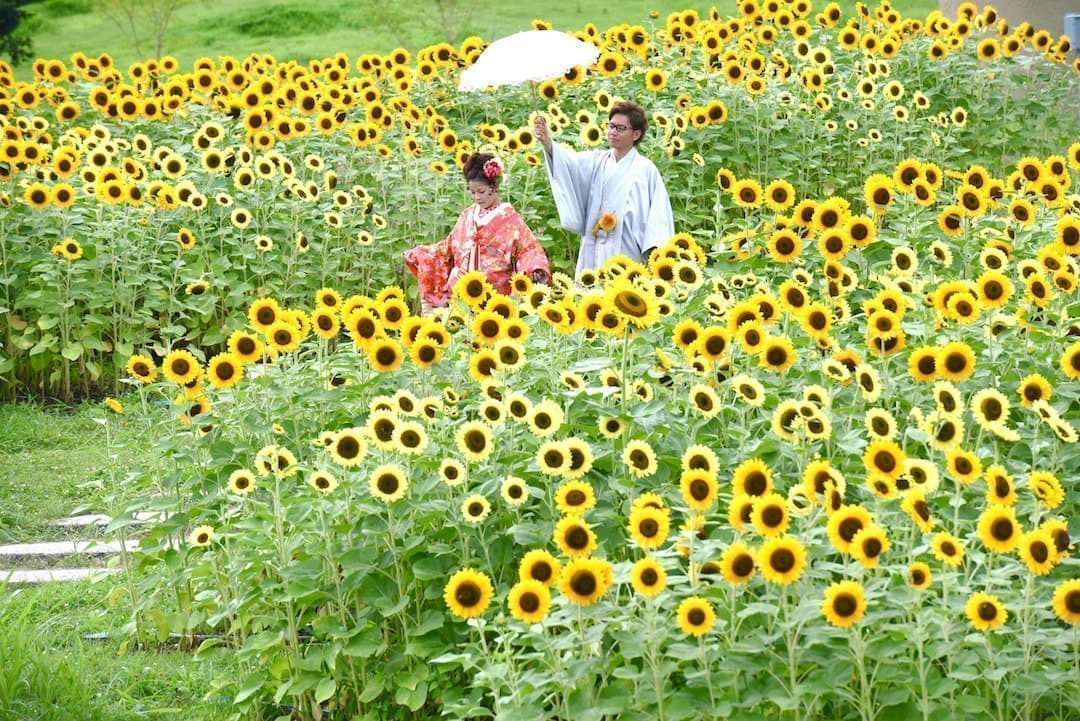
<point>15,45</point>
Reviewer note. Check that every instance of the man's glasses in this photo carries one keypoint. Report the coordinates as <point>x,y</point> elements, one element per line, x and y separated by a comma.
<point>617,127</point>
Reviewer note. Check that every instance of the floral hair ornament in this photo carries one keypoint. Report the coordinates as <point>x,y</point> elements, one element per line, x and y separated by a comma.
<point>493,169</point>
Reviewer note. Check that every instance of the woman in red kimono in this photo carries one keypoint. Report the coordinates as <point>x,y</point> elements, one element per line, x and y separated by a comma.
<point>489,236</point>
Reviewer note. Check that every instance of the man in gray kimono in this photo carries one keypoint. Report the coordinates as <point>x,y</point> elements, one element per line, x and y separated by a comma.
<point>614,199</point>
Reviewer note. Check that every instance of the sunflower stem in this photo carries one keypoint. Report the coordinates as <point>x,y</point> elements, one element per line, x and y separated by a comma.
<point>858,650</point>
<point>658,686</point>
<point>996,683</point>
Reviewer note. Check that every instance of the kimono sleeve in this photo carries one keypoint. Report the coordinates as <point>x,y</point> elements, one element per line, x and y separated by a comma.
<point>529,255</point>
<point>571,174</point>
<point>431,264</point>
<point>659,220</point>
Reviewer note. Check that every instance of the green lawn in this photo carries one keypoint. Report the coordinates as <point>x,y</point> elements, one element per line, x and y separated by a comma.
<point>57,460</point>
<point>304,31</point>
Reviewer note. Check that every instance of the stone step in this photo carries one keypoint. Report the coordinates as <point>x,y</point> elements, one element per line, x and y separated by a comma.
<point>100,519</point>
<point>47,575</point>
<point>55,549</point>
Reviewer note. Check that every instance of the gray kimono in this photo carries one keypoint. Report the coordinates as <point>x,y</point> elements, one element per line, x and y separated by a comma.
<point>588,184</point>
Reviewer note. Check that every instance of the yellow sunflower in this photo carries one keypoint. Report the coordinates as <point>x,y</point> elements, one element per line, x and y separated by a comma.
<point>695,616</point>
<point>529,601</point>
<point>647,577</point>
<point>539,565</point>
<point>782,559</point>
<point>998,528</point>
<point>845,603</point>
<point>388,483</point>
<point>468,593</point>
<point>985,612</point>
<point>584,580</point>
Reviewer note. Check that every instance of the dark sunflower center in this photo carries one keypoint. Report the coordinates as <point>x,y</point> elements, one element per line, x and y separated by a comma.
<point>885,461</point>
<point>1039,551</point>
<point>468,594</point>
<point>529,602</point>
<point>849,527</point>
<point>743,565</point>
<point>955,363</point>
<point>384,429</point>
<point>987,611</point>
<point>782,560</point>
<point>715,345</point>
<point>756,484</point>
<point>700,489</point>
<point>772,516</point>
<point>776,356</point>
<point>475,441</point>
<point>631,303</point>
<point>388,484</point>
<point>576,498</point>
<point>844,605</point>
<point>696,617</point>
<point>577,538</point>
<point>947,432</point>
<point>583,583</point>
<point>918,577</point>
<point>348,447</point>
<point>871,547</point>
<point>541,571</point>
<point>1002,529</point>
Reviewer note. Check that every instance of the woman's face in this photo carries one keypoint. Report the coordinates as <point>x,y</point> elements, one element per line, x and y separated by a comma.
<point>483,194</point>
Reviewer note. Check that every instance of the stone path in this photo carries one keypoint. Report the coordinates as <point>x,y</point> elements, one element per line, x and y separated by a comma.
<point>58,561</point>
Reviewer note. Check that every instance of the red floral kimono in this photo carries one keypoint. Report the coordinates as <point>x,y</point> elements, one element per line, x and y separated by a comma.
<point>498,243</point>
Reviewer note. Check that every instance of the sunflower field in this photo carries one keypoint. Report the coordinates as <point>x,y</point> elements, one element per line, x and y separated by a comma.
<point>816,459</point>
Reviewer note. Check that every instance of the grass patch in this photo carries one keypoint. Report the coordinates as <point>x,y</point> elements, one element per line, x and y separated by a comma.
<point>47,670</point>
<point>64,8</point>
<point>60,460</point>
<point>281,21</point>
<point>294,31</point>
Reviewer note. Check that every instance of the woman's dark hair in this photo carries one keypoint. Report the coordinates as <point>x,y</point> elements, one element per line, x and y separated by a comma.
<point>473,169</point>
<point>635,113</point>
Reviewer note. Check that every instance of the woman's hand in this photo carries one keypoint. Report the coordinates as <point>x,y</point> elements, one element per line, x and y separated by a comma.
<point>541,276</point>
<point>540,130</point>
